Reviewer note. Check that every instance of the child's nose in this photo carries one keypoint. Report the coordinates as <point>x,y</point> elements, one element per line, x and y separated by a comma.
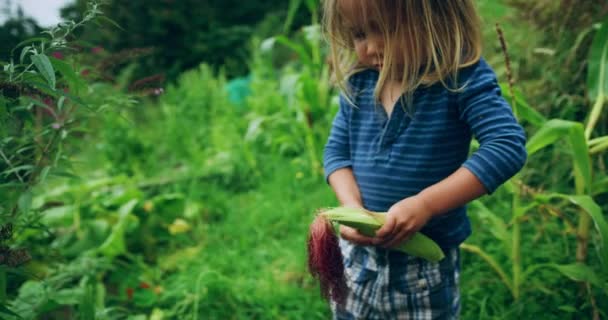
<point>374,47</point>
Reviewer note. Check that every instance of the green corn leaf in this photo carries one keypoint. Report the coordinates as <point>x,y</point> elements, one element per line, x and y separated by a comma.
<point>597,75</point>
<point>556,129</point>
<point>595,211</point>
<point>599,145</point>
<point>553,130</point>
<point>491,262</point>
<point>580,155</point>
<point>578,272</point>
<point>523,109</point>
<point>493,222</point>
<point>367,222</point>
<point>44,66</point>
<point>600,186</point>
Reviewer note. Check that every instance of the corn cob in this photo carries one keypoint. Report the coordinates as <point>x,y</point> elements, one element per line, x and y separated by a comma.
<point>367,222</point>
<point>325,258</point>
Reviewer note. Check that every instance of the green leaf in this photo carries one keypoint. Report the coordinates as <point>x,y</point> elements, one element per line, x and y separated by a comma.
<point>523,109</point>
<point>25,201</point>
<point>25,167</point>
<point>550,132</point>
<point>44,173</point>
<point>88,299</point>
<point>74,81</point>
<point>67,296</point>
<point>600,186</point>
<point>578,272</point>
<point>599,145</point>
<point>115,243</point>
<point>597,75</point>
<point>580,155</point>
<point>61,216</point>
<point>567,308</point>
<point>24,52</point>
<point>595,211</point>
<point>5,310</point>
<point>297,48</point>
<point>44,66</point>
<point>555,129</point>
<point>28,41</point>
<point>496,225</point>
<point>291,13</point>
<point>110,21</point>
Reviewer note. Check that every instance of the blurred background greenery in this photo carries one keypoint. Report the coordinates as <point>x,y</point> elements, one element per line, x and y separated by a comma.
<point>162,160</point>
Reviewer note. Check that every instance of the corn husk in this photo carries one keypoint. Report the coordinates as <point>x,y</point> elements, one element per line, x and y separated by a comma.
<point>367,222</point>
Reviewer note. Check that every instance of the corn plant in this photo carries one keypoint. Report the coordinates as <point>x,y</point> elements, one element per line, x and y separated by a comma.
<point>587,185</point>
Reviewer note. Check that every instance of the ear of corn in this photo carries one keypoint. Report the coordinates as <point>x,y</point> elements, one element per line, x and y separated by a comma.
<point>367,222</point>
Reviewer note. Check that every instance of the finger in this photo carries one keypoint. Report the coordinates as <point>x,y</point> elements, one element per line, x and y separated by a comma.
<point>346,230</point>
<point>402,236</point>
<point>353,235</point>
<point>387,228</point>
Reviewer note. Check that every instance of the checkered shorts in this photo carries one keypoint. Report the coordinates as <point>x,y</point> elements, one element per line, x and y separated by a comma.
<point>387,284</point>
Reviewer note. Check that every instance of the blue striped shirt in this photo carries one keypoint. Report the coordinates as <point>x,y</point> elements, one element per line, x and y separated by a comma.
<point>398,156</point>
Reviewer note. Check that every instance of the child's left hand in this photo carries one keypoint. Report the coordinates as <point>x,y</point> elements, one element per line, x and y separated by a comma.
<point>403,219</point>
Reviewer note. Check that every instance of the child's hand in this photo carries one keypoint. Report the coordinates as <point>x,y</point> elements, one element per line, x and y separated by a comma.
<point>354,236</point>
<point>403,219</point>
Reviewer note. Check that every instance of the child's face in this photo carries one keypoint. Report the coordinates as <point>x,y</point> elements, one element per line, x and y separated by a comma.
<point>366,35</point>
<point>369,48</point>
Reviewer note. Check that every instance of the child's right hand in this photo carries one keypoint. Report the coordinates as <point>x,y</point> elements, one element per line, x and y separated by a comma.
<point>354,236</point>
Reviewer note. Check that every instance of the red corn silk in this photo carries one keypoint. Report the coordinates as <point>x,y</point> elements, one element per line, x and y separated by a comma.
<point>325,260</point>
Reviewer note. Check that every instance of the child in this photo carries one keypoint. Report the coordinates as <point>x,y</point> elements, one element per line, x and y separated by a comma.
<point>414,91</point>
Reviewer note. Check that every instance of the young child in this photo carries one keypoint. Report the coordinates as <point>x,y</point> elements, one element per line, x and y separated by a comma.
<point>415,90</point>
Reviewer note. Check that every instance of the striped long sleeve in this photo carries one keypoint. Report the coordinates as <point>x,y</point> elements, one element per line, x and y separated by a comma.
<point>337,149</point>
<point>502,151</point>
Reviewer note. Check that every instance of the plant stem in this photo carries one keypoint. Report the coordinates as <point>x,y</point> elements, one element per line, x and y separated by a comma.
<point>2,285</point>
<point>582,235</point>
<point>489,260</point>
<point>584,223</point>
<point>515,246</point>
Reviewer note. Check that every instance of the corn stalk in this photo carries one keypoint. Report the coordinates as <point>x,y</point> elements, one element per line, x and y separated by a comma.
<point>597,83</point>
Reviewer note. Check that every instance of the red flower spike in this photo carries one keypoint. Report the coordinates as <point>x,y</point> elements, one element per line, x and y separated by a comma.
<point>325,260</point>
<point>144,285</point>
<point>130,293</point>
<point>57,55</point>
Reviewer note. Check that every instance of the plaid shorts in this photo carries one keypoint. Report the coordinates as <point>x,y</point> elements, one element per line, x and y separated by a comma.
<point>387,284</point>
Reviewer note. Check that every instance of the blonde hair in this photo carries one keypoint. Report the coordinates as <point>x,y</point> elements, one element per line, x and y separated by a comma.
<point>434,38</point>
